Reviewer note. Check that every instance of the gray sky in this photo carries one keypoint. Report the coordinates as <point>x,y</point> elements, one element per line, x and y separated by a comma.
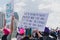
<point>51,6</point>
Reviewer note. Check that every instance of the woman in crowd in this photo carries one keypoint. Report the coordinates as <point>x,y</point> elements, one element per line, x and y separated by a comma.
<point>7,31</point>
<point>20,33</point>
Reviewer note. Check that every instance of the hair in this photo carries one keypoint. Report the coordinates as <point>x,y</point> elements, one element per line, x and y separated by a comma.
<point>45,34</point>
<point>36,35</point>
<point>53,34</point>
<point>25,38</point>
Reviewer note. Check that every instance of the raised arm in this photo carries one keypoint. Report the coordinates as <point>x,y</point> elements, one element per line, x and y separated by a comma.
<point>12,23</point>
<point>39,35</point>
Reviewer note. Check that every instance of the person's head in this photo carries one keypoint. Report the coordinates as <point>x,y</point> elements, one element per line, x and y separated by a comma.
<point>21,31</point>
<point>6,31</point>
<point>46,31</point>
<point>36,35</point>
<point>53,34</point>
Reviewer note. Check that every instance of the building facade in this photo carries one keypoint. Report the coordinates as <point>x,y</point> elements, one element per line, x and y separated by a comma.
<point>2,15</point>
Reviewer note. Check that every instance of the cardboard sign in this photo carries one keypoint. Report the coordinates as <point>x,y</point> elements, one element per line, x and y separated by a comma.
<point>34,21</point>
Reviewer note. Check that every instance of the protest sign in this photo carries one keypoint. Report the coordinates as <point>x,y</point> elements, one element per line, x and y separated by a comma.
<point>34,21</point>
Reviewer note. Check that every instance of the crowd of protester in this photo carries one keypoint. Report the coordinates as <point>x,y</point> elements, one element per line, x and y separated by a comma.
<point>7,32</point>
<point>38,35</point>
<point>29,34</point>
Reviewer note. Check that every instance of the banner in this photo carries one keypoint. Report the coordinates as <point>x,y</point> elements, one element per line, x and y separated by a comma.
<point>34,21</point>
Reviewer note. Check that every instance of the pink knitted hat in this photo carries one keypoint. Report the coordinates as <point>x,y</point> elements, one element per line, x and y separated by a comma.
<point>22,31</point>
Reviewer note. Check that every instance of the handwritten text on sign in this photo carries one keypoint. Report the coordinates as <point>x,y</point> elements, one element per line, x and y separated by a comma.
<point>34,20</point>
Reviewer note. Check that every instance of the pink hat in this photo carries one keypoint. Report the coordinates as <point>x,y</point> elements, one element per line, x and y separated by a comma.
<point>6,31</point>
<point>21,31</point>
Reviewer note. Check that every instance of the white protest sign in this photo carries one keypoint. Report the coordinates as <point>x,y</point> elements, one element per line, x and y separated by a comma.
<point>34,20</point>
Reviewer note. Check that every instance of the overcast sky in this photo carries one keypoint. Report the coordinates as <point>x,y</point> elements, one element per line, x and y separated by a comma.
<point>51,6</point>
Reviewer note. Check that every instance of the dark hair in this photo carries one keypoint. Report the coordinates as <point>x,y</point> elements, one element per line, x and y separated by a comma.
<point>53,34</point>
<point>36,35</point>
<point>45,34</point>
<point>19,34</point>
<point>25,38</point>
